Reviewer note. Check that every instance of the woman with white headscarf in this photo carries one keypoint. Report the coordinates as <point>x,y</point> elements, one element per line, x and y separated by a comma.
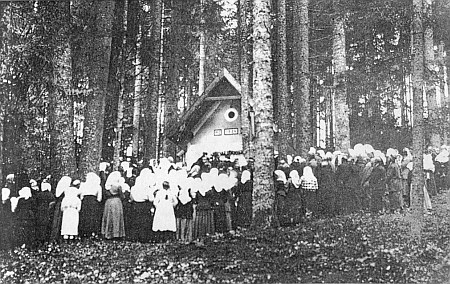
<point>441,169</point>
<point>244,195</point>
<point>61,187</point>
<point>309,185</point>
<point>113,224</point>
<point>91,196</point>
<point>184,211</point>
<point>142,202</point>
<point>326,194</point>
<point>429,168</point>
<point>164,221</point>
<point>406,173</point>
<point>70,206</point>
<point>6,219</point>
<point>219,199</point>
<point>377,185</point>
<point>294,200</point>
<point>204,210</point>
<point>43,221</point>
<point>280,197</point>
<point>26,218</point>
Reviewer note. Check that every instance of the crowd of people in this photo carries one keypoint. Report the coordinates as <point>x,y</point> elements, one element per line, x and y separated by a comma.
<point>362,179</point>
<point>162,202</point>
<point>168,201</point>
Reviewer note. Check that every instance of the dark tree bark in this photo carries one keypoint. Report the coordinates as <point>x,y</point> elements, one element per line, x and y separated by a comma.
<point>284,110</point>
<point>302,110</point>
<point>434,138</point>
<point>418,136</point>
<point>340,106</point>
<point>151,99</point>
<point>61,113</point>
<point>246,75</point>
<point>263,193</point>
<point>102,12</point>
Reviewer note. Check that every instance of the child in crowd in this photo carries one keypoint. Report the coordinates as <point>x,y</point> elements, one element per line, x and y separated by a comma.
<point>164,220</point>
<point>70,206</point>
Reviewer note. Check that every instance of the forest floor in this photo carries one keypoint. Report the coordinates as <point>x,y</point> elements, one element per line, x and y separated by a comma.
<point>356,248</point>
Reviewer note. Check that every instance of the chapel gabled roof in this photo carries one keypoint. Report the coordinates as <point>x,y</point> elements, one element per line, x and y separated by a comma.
<point>224,87</point>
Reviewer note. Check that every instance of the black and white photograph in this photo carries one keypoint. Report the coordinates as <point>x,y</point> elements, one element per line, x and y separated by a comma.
<point>224,141</point>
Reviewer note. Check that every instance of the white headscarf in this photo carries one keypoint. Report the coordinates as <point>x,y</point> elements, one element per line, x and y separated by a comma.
<point>308,174</point>
<point>63,183</point>
<point>295,178</point>
<point>141,191</point>
<point>92,186</point>
<point>5,193</point>
<point>114,178</point>
<point>280,176</point>
<point>25,193</point>
<point>45,186</point>
<point>245,176</point>
<point>442,157</point>
<point>428,164</point>
<point>184,196</point>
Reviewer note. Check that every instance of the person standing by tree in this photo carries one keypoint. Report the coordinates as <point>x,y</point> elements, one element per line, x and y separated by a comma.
<point>310,186</point>
<point>70,206</point>
<point>394,181</point>
<point>6,220</point>
<point>377,185</point>
<point>280,197</point>
<point>43,221</point>
<point>244,193</point>
<point>113,225</point>
<point>164,221</point>
<point>61,187</point>
<point>91,196</point>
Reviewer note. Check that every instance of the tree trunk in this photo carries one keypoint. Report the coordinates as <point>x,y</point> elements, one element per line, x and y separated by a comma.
<point>263,193</point>
<point>284,112</point>
<point>341,129</point>
<point>434,138</point>
<point>137,98</point>
<point>150,135</point>
<point>121,89</point>
<point>61,113</point>
<point>302,108</point>
<point>443,89</point>
<point>246,81</point>
<point>170,101</point>
<point>202,51</point>
<point>2,132</point>
<point>119,121</point>
<point>102,12</point>
<point>418,182</point>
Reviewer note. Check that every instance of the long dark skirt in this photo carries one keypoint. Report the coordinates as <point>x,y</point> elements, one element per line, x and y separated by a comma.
<point>377,200</point>
<point>57,220</point>
<point>220,218</point>
<point>184,230</point>
<point>281,209</point>
<point>244,210</point>
<point>311,203</point>
<point>295,206</point>
<point>90,216</point>
<point>6,228</point>
<point>113,225</point>
<point>25,233</point>
<point>203,223</point>
<point>141,222</point>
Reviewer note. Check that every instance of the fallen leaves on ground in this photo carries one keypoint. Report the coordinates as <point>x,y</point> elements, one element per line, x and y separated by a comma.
<point>354,248</point>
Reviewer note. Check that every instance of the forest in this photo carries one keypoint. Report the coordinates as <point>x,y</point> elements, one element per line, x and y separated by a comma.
<point>85,81</point>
